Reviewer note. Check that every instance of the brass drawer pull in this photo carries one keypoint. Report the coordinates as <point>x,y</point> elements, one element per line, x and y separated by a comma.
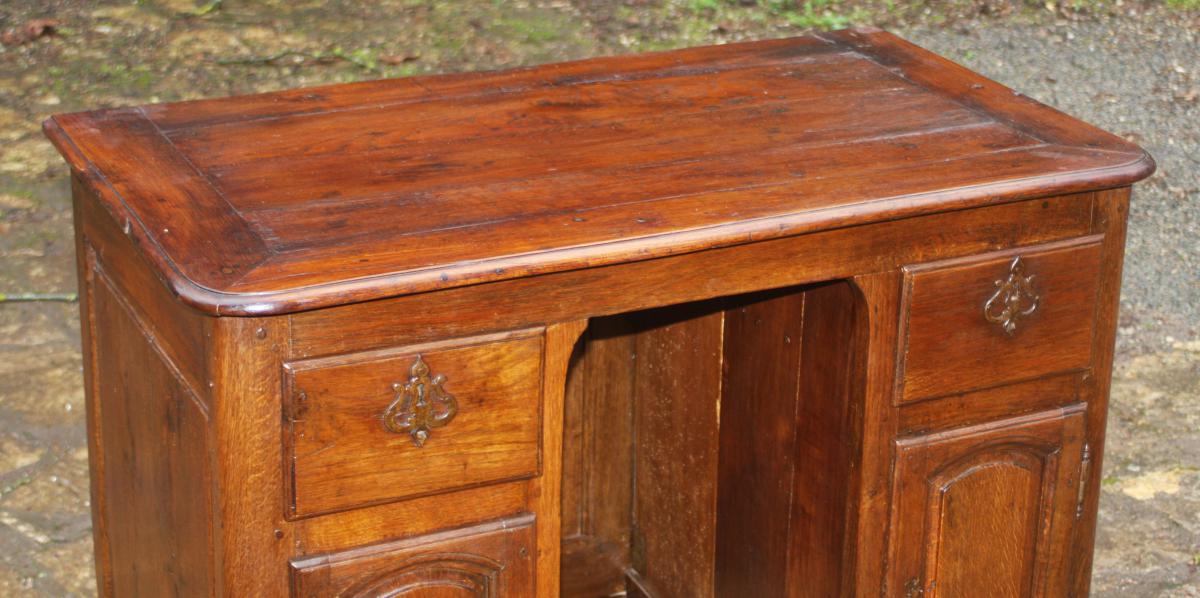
<point>1014,298</point>
<point>421,404</point>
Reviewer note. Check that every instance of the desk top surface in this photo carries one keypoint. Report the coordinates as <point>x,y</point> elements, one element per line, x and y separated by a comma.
<point>315,197</point>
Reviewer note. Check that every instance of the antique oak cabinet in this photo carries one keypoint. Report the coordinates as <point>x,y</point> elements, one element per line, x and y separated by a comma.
<point>824,316</point>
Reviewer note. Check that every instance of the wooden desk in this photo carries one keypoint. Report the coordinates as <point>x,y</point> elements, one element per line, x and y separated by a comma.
<point>808,317</point>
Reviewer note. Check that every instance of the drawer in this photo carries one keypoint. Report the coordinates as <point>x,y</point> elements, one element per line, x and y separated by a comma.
<point>490,560</point>
<point>381,426</point>
<point>981,321</point>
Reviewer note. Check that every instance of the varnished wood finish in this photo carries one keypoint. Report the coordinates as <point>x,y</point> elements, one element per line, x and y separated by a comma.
<point>759,428</point>
<point>677,387</point>
<point>592,566</point>
<point>285,201</point>
<point>547,488</point>
<point>828,424</point>
<point>990,506</point>
<point>994,403</point>
<point>873,426</point>
<point>845,253</point>
<point>950,346</point>
<point>1111,216</point>
<point>487,561</point>
<point>709,323</point>
<point>598,488</point>
<point>246,384</point>
<point>340,454</point>
<point>411,518</point>
<point>156,507</point>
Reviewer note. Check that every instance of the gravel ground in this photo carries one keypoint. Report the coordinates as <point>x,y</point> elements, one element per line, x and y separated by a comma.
<point>1141,80</point>
<point>1131,70</point>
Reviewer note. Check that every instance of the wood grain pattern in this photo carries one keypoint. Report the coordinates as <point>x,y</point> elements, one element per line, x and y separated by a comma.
<point>493,560</point>
<point>156,512</point>
<point>409,518</point>
<point>340,454</point>
<point>676,413</point>
<point>949,344</point>
<point>546,489</point>
<point>759,429</point>
<point>781,251</point>
<point>1112,212</point>
<point>991,506</point>
<point>599,505</point>
<point>872,424</point>
<point>88,331</point>
<point>255,539</point>
<point>287,199</point>
<point>831,377</point>
<point>819,257</point>
<point>593,567</point>
<point>182,333</point>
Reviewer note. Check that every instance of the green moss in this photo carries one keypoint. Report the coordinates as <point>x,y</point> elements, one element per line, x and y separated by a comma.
<point>533,28</point>
<point>803,14</point>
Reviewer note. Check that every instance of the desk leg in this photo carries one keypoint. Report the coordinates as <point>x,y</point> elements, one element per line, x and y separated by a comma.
<point>1110,217</point>
<point>868,517</point>
<point>546,495</point>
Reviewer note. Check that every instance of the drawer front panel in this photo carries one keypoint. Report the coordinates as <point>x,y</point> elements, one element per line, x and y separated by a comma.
<point>976,322</point>
<point>492,560</point>
<point>381,426</point>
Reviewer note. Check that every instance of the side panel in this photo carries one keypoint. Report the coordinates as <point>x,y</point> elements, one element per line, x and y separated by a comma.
<point>150,433</point>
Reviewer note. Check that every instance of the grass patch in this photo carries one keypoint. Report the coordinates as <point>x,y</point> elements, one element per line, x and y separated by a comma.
<point>803,14</point>
<point>532,29</point>
<point>815,14</point>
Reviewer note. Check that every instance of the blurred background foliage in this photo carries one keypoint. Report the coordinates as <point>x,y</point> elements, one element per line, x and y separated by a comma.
<point>162,50</point>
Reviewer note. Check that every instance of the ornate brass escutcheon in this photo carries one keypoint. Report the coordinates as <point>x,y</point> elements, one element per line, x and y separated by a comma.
<point>1014,298</point>
<point>421,404</point>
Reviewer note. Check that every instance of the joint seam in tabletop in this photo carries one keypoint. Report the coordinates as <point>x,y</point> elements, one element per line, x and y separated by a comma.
<point>668,73</point>
<point>374,197</point>
<point>717,228</point>
<point>129,220</point>
<point>678,69</point>
<point>246,291</point>
<point>423,280</point>
<point>264,232</point>
<point>300,250</point>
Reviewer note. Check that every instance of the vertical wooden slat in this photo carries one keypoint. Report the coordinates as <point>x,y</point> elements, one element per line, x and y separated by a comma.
<point>598,433</point>
<point>573,462</point>
<point>676,410</point>
<point>1111,212</point>
<point>608,399</point>
<point>546,492</point>
<point>254,541</point>
<point>830,391</point>
<point>95,440</point>
<point>758,443</point>
<point>874,423</point>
